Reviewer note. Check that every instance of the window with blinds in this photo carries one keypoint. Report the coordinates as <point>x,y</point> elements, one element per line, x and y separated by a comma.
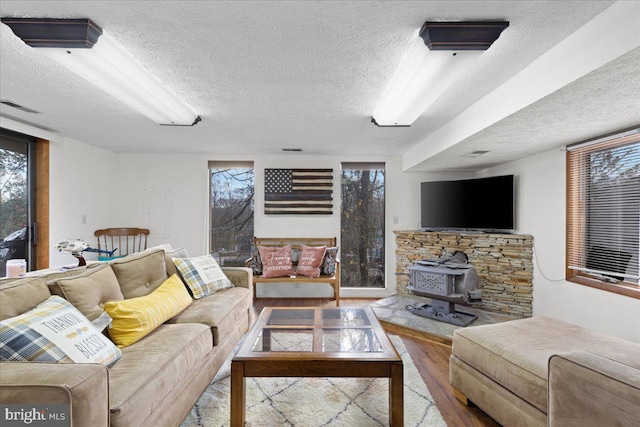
<point>603,210</point>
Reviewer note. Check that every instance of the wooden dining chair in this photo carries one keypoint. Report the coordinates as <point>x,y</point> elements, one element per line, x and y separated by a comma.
<point>124,240</point>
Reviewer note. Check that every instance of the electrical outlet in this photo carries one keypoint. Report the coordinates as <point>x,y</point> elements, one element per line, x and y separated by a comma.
<point>83,219</point>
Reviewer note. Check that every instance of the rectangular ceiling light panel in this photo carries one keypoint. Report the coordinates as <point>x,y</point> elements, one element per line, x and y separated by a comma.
<point>112,69</point>
<point>82,47</point>
<point>423,75</point>
<point>434,61</point>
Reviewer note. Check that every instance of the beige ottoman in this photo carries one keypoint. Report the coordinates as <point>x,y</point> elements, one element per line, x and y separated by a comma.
<point>503,368</point>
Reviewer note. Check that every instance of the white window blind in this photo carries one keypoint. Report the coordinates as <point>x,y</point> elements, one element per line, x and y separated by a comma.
<point>603,208</point>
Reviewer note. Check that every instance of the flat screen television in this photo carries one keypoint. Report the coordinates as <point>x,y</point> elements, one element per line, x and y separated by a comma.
<point>483,204</point>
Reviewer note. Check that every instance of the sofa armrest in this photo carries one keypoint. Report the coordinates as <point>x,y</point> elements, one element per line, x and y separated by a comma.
<point>588,389</point>
<point>240,276</point>
<point>84,387</point>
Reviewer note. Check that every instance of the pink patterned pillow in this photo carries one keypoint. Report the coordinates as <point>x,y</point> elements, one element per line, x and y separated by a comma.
<point>310,260</point>
<point>276,261</point>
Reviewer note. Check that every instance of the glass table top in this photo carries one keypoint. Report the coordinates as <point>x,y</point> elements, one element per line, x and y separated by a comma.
<point>320,330</point>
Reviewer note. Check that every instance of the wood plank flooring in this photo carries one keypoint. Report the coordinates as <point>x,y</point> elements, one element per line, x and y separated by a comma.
<point>431,359</point>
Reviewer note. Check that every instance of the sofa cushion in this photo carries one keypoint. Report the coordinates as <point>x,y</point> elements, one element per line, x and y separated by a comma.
<point>220,311</point>
<point>141,273</point>
<point>22,295</point>
<point>202,275</point>
<point>170,255</point>
<point>89,291</point>
<point>515,354</point>
<point>151,368</point>
<point>135,318</point>
<point>54,331</point>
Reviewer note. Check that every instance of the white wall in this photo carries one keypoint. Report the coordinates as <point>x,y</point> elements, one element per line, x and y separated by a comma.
<point>541,209</point>
<point>81,182</point>
<point>175,188</point>
<point>168,193</point>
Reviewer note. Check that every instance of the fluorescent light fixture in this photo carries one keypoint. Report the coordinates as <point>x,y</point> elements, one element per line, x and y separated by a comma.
<point>435,59</point>
<point>80,46</point>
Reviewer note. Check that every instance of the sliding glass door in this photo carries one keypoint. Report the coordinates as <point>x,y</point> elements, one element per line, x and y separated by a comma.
<point>17,184</point>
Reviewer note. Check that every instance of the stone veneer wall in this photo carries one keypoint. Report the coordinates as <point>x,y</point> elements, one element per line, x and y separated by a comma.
<point>504,263</point>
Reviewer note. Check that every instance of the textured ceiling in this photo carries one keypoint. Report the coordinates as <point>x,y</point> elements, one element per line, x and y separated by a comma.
<point>606,99</point>
<point>264,75</point>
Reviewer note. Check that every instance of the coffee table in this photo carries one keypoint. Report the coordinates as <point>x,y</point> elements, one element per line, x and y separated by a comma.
<point>317,342</point>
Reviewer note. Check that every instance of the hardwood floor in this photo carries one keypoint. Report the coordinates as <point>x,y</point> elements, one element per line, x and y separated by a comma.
<point>431,359</point>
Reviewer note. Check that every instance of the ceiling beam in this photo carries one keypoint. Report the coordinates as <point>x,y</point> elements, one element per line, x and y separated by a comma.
<point>611,34</point>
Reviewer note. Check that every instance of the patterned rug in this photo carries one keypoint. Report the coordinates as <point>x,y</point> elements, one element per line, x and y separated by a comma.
<point>316,402</point>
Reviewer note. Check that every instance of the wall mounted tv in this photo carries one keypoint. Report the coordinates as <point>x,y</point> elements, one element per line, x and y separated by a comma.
<point>483,204</point>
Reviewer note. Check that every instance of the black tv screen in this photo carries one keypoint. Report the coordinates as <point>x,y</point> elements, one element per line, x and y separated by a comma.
<point>470,204</point>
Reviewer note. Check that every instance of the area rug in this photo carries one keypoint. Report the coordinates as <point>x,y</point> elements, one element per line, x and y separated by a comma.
<point>316,402</point>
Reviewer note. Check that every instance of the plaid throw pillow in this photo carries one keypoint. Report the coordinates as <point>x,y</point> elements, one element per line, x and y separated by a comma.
<point>202,275</point>
<point>55,331</point>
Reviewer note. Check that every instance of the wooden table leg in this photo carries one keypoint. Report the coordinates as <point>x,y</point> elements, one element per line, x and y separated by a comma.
<point>396,396</point>
<point>238,394</point>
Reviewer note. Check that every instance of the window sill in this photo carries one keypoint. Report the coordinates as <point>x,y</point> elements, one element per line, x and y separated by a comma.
<point>621,288</point>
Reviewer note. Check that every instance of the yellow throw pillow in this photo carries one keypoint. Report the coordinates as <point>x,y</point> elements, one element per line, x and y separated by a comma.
<point>135,318</point>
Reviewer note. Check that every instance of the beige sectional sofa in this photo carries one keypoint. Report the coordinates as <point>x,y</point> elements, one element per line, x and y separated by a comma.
<point>542,371</point>
<point>158,379</point>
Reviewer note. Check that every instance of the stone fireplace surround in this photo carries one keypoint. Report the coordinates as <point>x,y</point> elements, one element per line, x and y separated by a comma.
<point>504,263</point>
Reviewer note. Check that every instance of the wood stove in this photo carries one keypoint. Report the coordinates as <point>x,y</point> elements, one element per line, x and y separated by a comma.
<point>447,282</point>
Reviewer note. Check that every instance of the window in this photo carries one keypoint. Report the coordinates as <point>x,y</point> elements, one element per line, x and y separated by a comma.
<point>603,213</point>
<point>362,256</point>
<point>231,211</point>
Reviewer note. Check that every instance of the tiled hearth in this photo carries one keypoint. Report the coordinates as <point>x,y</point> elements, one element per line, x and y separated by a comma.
<point>394,316</point>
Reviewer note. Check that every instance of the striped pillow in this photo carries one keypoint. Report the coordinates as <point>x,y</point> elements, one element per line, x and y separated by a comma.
<point>55,331</point>
<point>202,275</point>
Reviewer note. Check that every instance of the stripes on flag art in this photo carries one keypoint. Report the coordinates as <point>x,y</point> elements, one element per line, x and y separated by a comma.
<point>298,191</point>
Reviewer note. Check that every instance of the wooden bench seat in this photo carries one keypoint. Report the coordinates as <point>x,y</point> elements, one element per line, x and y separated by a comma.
<point>296,243</point>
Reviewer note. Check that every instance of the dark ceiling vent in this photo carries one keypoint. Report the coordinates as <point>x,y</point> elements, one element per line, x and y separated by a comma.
<point>19,107</point>
<point>295,150</point>
<point>477,153</point>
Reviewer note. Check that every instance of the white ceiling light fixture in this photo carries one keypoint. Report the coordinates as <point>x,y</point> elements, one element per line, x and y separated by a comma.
<point>82,47</point>
<point>435,59</point>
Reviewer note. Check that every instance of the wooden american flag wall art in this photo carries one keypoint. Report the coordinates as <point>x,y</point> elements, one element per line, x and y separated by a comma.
<point>298,191</point>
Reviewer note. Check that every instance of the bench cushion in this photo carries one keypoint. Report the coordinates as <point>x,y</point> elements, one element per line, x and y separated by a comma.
<point>515,354</point>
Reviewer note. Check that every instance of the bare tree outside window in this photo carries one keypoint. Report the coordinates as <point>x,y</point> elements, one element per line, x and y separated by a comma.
<point>231,205</point>
<point>362,226</point>
<point>13,191</point>
<point>613,215</point>
<point>603,213</point>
